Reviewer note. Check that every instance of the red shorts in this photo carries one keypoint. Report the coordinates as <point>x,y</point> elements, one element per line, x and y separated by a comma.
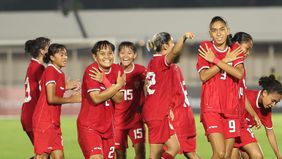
<point>187,144</point>
<point>160,131</point>
<point>136,134</point>
<point>232,128</point>
<point>247,137</point>
<point>48,140</point>
<point>91,143</point>
<point>216,123</point>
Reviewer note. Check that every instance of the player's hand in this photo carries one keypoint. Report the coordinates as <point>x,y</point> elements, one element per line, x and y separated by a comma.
<point>233,55</point>
<point>73,85</point>
<point>206,53</point>
<point>121,79</point>
<point>96,74</point>
<point>189,35</point>
<point>257,121</point>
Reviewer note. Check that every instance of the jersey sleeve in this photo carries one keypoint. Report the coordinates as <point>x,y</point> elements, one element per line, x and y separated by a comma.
<point>267,120</point>
<point>51,76</point>
<point>202,63</point>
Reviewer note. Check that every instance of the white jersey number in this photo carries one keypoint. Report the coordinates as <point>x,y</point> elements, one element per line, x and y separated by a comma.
<point>111,152</point>
<point>138,134</point>
<point>128,94</point>
<point>27,90</point>
<point>151,80</point>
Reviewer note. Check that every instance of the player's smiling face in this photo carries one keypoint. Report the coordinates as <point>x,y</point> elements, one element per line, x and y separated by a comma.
<point>104,57</point>
<point>127,56</point>
<point>219,33</point>
<point>59,59</point>
<point>269,100</point>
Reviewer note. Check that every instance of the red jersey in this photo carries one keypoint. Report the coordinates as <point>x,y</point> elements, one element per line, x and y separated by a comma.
<point>243,87</point>
<point>183,122</point>
<point>221,92</point>
<point>46,115</point>
<point>160,82</point>
<point>98,117</point>
<point>126,113</point>
<point>263,113</point>
<point>31,86</point>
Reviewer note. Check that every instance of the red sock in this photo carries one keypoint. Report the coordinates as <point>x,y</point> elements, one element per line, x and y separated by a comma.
<point>166,156</point>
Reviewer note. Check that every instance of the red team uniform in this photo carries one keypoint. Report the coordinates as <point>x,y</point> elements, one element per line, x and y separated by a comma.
<point>264,115</point>
<point>46,117</point>
<point>183,122</point>
<point>127,118</point>
<point>158,100</point>
<point>220,102</point>
<point>32,92</point>
<point>95,121</point>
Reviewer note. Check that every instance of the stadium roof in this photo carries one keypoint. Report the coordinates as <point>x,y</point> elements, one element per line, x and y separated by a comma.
<point>264,24</point>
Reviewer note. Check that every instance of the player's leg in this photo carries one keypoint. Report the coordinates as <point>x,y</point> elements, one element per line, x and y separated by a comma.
<point>57,144</point>
<point>214,130</point>
<point>137,136</point>
<point>217,141</point>
<point>253,150</point>
<point>232,129</point>
<point>188,146</point>
<point>121,143</point>
<point>235,153</point>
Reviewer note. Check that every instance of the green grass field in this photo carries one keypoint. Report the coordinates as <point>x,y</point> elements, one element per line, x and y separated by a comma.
<point>14,143</point>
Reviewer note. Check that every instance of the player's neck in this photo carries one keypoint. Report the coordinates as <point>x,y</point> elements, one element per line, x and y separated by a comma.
<point>40,59</point>
<point>221,47</point>
<point>127,68</point>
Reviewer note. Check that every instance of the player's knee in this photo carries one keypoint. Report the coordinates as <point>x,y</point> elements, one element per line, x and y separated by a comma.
<point>256,155</point>
<point>219,154</point>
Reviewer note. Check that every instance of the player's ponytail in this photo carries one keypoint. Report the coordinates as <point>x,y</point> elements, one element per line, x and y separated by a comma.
<point>33,46</point>
<point>155,44</point>
<point>270,84</point>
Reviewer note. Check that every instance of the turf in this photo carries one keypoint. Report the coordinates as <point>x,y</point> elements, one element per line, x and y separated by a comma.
<point>14,143</point>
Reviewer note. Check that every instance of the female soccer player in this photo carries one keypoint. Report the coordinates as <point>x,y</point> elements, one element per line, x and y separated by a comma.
<point>158,99</point>
<point>262,102</point>
<point>37,48</point>
<point>46,116</point>
<point>128,120</point>
<point>220,87</point>
<point>95,120</point>
<point>182,115</point>
<point>253,150</point>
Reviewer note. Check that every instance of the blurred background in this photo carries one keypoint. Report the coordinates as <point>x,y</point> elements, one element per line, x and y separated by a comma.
<point>80,23</point>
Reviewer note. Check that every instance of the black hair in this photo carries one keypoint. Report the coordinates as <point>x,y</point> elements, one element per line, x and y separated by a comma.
<point>241,37</point>
<point>102,45</point>
<point>221,19</point>
<point>270,84</point>
<point>53,49</point>
<point>127,44</point>
<point>158,40</point>
<point>33,46</point>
